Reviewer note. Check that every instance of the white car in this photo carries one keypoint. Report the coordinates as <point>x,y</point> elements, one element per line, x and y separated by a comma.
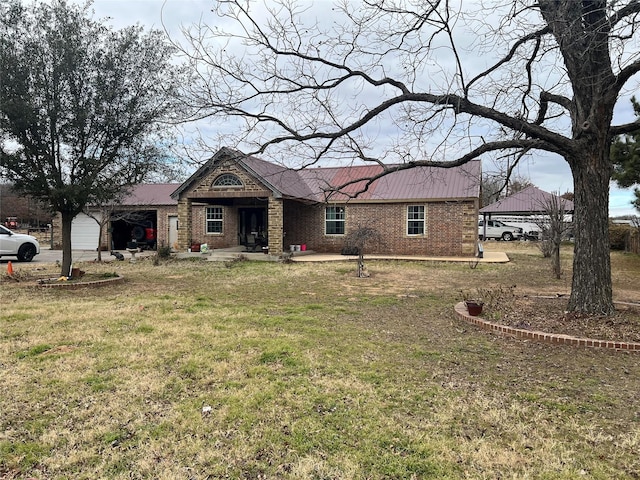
<point>25,247</point>
<point>498,230</point>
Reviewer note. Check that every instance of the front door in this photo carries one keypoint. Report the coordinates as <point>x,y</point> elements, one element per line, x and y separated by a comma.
<point>173,231</point>
<point>252,221</point>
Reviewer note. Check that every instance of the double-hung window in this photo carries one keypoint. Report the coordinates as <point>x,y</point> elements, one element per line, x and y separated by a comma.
<point>415,220</point>
<point>334,220</point>
<point>214,220</point>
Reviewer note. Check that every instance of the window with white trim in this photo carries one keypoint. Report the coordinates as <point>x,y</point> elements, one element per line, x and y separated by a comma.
<point>415,220</point>
<point>334,220</point>
<point>214,218</point>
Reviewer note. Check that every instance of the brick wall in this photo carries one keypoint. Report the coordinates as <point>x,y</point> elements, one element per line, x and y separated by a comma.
<point>276,226</point>
<point>184,224</point>
<point>229,235</point>
<point>163,214</point>
<point>451,228</point>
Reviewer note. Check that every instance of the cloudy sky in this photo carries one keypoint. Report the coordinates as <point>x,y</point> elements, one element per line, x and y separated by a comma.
<point>547,172</point>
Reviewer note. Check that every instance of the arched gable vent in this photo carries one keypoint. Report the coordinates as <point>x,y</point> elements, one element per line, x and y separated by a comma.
<point>227,180</point>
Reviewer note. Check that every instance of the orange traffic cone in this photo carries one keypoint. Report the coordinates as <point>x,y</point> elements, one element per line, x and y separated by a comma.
<point>9,269</point>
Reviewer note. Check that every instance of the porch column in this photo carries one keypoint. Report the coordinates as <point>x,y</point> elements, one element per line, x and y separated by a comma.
<point>184,224</point>
<point>469,229</point>
<point>276,225</point>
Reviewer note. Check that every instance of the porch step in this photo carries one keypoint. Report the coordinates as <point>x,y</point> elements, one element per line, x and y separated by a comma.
<point>227,254</point>
<point>225,257</point>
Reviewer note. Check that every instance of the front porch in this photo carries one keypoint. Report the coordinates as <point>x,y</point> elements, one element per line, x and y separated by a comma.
<point>250,222</point>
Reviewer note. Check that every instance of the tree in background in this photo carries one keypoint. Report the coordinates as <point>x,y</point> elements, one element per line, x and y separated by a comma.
<point>625,154</point>
<point>402,84</point>
<point>553,228</point>
<point>499,185</point>
<point>29,211</point>
<point>81,106</point>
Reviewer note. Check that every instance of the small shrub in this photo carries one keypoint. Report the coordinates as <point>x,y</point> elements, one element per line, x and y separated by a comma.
<point>546,247</point>
<point>163,252</point>
<point>618,235</point>
<point>497,301</point>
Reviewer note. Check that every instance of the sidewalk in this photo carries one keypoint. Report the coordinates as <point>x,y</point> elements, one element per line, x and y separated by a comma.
<point>51,256</point>
<point>489,257</point>
<point>224,254</point>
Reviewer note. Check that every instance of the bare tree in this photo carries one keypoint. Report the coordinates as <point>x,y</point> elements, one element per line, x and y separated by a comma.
<point>357,241</point>
<point>438,86</point>
<point>553,228</point>
<point>499,185</point>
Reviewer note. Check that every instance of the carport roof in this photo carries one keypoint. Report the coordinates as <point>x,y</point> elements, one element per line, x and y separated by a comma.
<point>527,201</point>
<point>152,194</point>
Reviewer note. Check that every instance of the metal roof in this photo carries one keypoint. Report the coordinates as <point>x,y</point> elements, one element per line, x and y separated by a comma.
<point>151,194</point>
<point>285,181</point>
<point>528,200</point>
<point>409,184</point>
<point>319,184</point>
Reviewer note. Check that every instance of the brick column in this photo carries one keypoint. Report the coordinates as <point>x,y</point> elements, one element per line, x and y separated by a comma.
<point>276,225</point>
<point>184,224</point>
<point>469,228</point>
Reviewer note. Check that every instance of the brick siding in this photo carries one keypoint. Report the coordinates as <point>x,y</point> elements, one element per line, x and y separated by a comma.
<point>451,228</point>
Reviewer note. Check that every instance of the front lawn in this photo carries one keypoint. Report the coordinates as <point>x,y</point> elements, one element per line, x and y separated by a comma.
<point>193,370</point>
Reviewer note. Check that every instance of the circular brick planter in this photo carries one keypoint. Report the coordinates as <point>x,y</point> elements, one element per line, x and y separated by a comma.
<point>555,338</point>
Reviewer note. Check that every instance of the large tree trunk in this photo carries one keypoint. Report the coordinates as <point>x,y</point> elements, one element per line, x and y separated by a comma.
<point>67,218</point>
<point>591,291</point>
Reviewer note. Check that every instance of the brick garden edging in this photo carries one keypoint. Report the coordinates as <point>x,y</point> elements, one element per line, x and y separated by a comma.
<point>554,338</point>
<point>77,285</point>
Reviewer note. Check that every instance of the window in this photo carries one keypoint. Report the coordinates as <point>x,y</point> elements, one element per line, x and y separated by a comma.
<point>415,220</point>
<point>334,220</point>
<point>227,180</point>
<point>214,220</point>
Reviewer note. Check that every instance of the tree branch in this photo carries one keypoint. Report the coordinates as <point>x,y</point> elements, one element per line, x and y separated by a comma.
<point>524,145</point>
<point>627,128</point>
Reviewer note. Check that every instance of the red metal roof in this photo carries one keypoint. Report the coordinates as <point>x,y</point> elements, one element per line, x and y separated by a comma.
<point>321,184</point>
<point>151,194</point>
<point>410,184</point>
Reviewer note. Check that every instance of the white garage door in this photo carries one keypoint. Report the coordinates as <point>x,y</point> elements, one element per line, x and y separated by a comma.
<point>84,233</point>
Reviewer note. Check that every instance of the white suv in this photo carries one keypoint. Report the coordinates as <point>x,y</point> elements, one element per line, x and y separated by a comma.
<point>498,230</point>
<point>25,247</point>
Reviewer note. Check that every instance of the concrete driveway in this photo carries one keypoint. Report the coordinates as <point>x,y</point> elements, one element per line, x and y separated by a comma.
<point>47,255</point>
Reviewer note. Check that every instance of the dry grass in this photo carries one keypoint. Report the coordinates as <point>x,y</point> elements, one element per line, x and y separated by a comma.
<point>193,370</point>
